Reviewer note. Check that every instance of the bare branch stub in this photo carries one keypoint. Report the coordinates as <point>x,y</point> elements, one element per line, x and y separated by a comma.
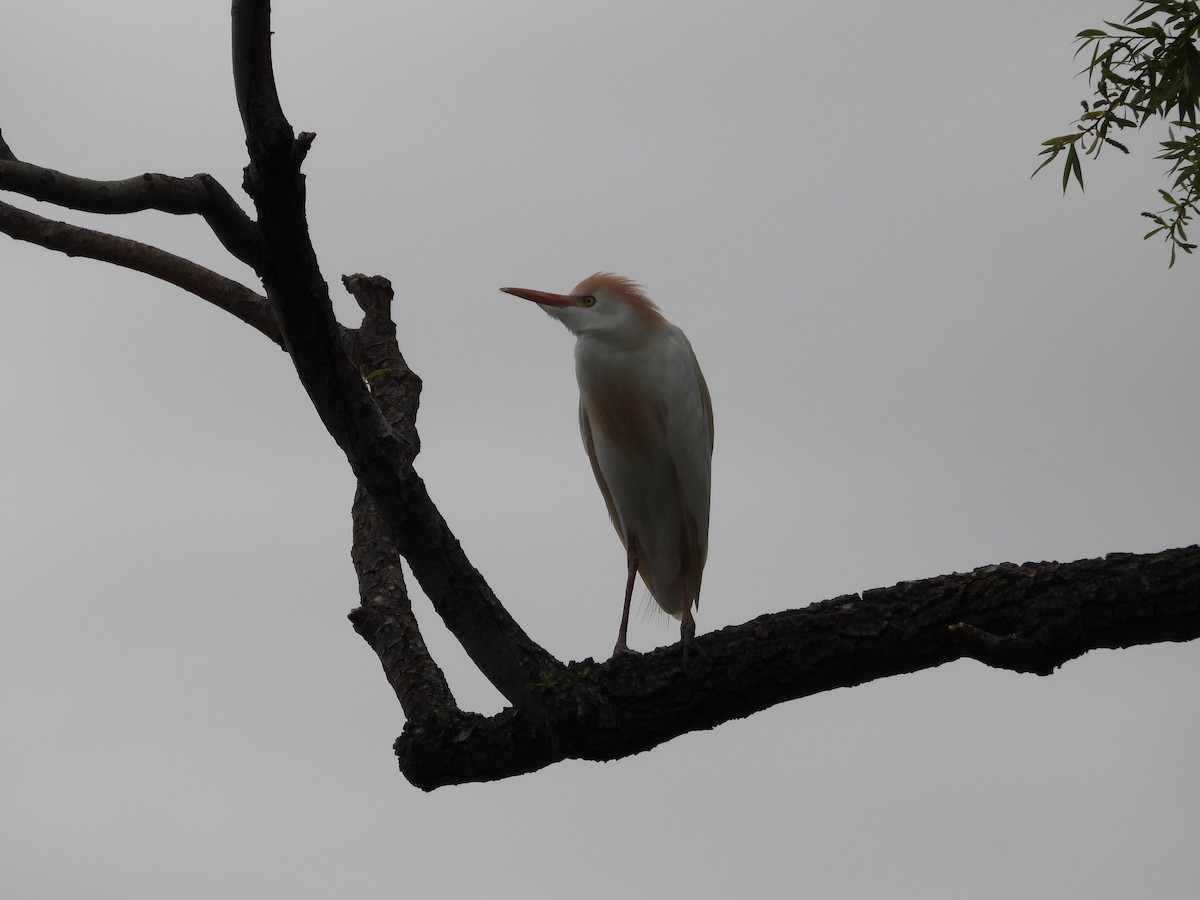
<point>375,350</point>
<point>467,747</point>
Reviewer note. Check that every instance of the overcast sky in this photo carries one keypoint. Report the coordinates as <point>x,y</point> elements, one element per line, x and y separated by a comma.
<point>921,361</point>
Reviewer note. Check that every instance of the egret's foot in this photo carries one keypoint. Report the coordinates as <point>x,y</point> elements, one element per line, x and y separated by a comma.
<point>622,649</point>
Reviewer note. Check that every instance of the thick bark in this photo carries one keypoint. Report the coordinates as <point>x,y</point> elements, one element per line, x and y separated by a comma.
<point>1028,618</point>
<point>386,621</point>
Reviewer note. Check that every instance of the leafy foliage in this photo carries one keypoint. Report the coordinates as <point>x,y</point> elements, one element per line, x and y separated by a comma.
<point>1145,67</point>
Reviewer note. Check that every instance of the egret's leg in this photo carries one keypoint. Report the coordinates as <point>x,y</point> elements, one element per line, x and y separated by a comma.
<point>687,630</point>
<point>631,558</point>
<point>687,624</point>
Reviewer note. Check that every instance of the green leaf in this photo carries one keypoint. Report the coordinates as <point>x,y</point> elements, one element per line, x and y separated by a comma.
<point>1045,162</point>
<point>1134,19</point>
<point>1062,139</point>
<point>1072,167</point>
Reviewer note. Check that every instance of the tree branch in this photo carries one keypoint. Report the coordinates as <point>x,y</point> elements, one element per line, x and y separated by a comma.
<point>73,240</point>
<point>386,622</point>
<point>200,194</point>
<point>501,649</point>
<point>1048,613</point>
<point>459,594</point>
<point>385,619</point>
<point>395,388</point>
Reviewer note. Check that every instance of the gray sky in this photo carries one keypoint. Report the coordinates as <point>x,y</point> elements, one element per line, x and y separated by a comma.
<point>921,361</point>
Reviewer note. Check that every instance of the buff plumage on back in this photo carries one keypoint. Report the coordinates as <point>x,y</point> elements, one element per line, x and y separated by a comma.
<point>629,289</point>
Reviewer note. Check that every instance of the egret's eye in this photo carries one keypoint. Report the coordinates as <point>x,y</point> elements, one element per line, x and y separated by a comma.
<point>587,300</point>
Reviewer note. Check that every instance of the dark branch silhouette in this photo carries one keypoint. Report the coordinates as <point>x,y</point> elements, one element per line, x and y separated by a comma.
<point>509,658</point>
<point>1029,618</point>
<point>199,194</point>
<point>74,240</point>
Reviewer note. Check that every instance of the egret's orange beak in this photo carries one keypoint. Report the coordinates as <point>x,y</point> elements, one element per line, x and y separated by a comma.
<point>560,301</point>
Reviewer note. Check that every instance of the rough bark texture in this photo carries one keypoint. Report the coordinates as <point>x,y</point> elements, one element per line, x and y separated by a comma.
<point>1028,618</point>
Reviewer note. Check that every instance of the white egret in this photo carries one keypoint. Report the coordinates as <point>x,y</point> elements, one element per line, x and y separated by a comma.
<point>647,425</point>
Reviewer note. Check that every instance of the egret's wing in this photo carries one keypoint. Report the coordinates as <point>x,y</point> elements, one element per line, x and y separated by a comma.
<point>706,400</point>
<point>690,444</point>
<point>589,445</point>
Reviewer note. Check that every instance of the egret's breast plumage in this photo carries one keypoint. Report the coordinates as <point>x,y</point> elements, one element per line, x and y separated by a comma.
<point>620,411</point>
